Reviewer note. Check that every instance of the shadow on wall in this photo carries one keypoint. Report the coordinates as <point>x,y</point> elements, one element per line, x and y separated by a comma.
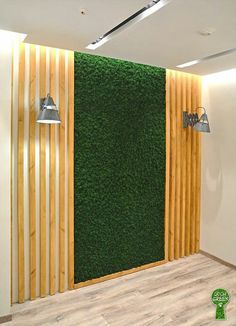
<point>212,180</point>
<point>212,176</point>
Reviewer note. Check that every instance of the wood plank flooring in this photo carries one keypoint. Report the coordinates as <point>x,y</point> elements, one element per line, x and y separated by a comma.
<point>177,293</point>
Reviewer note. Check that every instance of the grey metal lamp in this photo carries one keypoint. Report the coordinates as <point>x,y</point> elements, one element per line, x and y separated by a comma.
<point>48,111</point>
<point>192,120</point>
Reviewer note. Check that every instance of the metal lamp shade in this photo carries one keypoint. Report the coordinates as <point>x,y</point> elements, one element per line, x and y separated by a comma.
<point>48,113</point>
<point>203,124</point>
<point>48,116</point>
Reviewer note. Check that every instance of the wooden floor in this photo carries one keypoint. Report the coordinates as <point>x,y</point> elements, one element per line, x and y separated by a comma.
<point>177,293</point>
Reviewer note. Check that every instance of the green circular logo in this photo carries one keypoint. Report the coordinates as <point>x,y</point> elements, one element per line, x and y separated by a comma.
<point>220,298</point>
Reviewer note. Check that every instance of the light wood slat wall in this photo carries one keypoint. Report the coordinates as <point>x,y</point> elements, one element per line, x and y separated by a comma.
<point>62,173</point>
<point>183,93</point>
<point>52,176</point>
<point>41,261</point>
<point>20,179</point>
<point>32,171</point>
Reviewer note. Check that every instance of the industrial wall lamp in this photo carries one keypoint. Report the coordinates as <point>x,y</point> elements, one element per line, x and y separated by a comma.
<point>192,120</point>
<point>48,111</point>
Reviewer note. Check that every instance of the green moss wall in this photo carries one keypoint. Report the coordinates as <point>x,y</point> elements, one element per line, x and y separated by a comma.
<point>119,165</point>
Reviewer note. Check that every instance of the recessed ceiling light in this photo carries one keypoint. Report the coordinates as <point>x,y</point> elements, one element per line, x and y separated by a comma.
<point>188,64</point>
<point>213,56</point>
<point>146,11</point>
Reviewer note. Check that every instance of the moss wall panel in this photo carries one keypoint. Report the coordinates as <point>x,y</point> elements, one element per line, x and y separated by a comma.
<point>119,165</point>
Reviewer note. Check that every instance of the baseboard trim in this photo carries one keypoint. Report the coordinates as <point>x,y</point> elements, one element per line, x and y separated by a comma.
<point>5,319</point>
<point>118,274</point>
<point>219,260</point>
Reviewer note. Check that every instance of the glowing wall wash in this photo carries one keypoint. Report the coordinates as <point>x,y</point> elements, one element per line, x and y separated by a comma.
<point>119,165</point>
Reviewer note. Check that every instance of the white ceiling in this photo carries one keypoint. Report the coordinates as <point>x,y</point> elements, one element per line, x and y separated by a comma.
<point>167,38</point>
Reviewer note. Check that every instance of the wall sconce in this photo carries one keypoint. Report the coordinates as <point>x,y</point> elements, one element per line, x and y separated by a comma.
<point>48,111</point>
<point>192,120</point>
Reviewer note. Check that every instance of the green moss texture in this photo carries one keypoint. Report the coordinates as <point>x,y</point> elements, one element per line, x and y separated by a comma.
<point>119,165</point>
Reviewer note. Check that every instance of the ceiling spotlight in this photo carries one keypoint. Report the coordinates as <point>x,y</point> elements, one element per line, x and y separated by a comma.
<point>48,111</point>
<point>192,120</point>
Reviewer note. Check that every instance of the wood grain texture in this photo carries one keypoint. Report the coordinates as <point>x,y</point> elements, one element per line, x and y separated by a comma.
<point>71,171</point>
<point>193,170</point>
<point>62,173</point>
<point>174,294</point>
<point>42,130</point>
<point>52,180</point>
<point>46,252</point>
<point>188,171</point>
<point>183,171</point>
<point>198,170</point>
<point>167,182</point>
<point>172,165</point>
<point>32,172</point>
<point>183,213</point>
<point>20,179</point>
<point>178,165</point>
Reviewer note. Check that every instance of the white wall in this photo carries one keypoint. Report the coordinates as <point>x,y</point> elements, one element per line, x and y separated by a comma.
<point>218,212</point>
<point>5,175</point>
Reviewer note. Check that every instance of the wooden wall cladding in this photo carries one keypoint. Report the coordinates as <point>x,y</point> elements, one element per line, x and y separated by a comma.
<point>183,168</point>
<point>42,174</point>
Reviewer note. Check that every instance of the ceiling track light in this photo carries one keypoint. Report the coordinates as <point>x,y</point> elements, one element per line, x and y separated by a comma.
<point>213,56</point>
<point>48,111</point>
<point>139,15</point>
<point>192,120</point>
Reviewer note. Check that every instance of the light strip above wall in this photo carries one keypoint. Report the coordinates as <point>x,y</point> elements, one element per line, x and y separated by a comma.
<point>139,15</point>
<point>213,56</point>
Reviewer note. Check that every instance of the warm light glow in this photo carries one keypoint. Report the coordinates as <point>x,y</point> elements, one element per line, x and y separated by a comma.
<point>9,39</point>
<point>226,76</point>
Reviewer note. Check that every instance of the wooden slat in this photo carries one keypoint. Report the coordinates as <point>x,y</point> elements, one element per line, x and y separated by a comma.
<point>167,181</point>
<point>52,182</point>
<point>183,170</point>
<point>172,164</point>
<point>188,172</point>
<point>178,165</point>
<point>62,172</point>
<point>20,178</point>
<point>193,170</point>
<point>42,179</point>
<point>32,191</point>
<point>71,171</point>
<point>198,172</point>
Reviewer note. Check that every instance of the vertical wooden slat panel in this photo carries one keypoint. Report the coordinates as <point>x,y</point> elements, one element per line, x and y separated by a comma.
<point>178,166</point>
<point>193,170</point>
<point>183,169</point>
<point>42,179</point>
<point>167,181</point>
<point>188,172</point>
<point>52,182</point>
<point>198,171</point>
<point>71,171</point>
<point>172,164</point>
<point>32,191</point>
<point>62,172</point>
<point>20,178</point>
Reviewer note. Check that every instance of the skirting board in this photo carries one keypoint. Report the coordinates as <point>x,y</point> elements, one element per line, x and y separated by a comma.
<point>221,261</point>
<point>118,274</point>
<point>5,319</point>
